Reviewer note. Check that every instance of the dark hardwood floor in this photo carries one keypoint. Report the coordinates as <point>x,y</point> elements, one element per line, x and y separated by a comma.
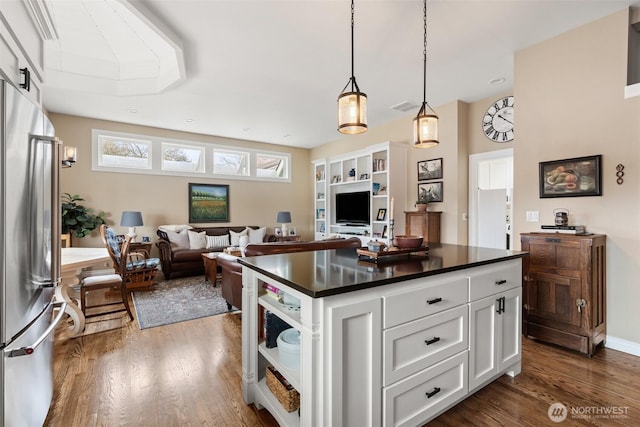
<point>189,374</point>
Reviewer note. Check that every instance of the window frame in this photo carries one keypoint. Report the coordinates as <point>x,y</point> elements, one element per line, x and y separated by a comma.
<point>157,154</point>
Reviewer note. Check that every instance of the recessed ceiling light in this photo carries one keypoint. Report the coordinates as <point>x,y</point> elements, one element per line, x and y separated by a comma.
<point>133,110</point>
<point>497,81</point>
<point>188,120</point>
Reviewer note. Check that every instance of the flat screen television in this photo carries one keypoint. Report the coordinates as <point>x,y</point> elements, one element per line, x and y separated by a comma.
<point>353,208</point>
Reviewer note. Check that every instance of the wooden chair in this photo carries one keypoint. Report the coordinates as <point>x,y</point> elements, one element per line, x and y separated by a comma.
<point>106,281</point>
<point>136,268</point>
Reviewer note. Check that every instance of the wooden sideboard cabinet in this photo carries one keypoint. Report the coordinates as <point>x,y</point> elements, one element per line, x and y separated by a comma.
<point>564,295</point>
<point>425,224</point>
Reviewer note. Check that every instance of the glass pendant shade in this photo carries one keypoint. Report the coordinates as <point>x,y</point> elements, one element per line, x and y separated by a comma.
<point>425,130</point>
<point>352,112</point>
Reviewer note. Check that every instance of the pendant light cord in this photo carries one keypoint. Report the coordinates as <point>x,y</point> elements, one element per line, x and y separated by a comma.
<point>353,79</point>
<point>424,55</point>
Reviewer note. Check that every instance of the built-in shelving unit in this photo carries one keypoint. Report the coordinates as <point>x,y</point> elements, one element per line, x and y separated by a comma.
<point>320,198</point>
<point>379,169</point>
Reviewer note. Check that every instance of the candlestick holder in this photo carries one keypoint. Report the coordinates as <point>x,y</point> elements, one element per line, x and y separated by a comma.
<point>391,245</point>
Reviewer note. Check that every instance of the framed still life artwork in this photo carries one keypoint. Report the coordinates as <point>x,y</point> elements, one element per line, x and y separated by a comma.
<point>579,176</point>
<point>208,203</point>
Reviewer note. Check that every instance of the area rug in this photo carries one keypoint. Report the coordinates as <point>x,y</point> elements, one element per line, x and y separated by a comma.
<point>178,300</point>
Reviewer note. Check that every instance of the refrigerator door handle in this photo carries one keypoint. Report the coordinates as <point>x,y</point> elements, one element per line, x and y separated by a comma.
<point>55,206</point>
<point>29,349</point>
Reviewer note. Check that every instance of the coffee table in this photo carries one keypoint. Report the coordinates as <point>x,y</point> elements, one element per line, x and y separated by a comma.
<point>211,266</point>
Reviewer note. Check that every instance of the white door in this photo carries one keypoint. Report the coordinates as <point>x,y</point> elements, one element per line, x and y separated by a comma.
<point>489,218</point>
<point>492,213</point>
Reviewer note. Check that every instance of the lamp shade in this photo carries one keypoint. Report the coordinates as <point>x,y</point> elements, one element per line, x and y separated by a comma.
<point>425,130</point>
<point>352,113</point>
<point>131,219</point>
<point>284,217</point>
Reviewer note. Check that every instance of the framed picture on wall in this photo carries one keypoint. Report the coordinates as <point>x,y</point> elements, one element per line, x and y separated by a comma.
<point>432,191</point>
<point>430,169</point>
<point>208,203</point>
<point>579,176</point>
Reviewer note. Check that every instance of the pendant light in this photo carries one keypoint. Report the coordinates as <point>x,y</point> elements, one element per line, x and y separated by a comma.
<point>425,124</point>
<point>352,105</point>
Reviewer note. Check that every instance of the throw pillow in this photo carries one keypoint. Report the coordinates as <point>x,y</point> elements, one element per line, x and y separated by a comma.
<point>257,236</point>
<point>235,237</point>
<point>197,240</point>
<point>177,228</point>
<point>178,240</point>
<point>218,241</point>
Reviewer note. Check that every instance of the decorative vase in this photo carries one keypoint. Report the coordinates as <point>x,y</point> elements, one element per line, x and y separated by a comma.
<point>422,207</point>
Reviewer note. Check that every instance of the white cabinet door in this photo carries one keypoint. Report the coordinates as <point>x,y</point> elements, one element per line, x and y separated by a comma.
<point>495,337</point>
<point>354,361</point>
<point>482,341</point>
<point>510,328</point>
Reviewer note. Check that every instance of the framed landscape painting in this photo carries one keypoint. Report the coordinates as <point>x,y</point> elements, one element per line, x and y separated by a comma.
<point>208,203</point>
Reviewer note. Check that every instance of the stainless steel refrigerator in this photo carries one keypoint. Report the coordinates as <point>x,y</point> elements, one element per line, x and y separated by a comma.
<point>30,264</point>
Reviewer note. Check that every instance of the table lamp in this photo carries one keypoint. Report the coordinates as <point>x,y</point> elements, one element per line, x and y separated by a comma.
<point>284,218</point>
<point>131,219</point>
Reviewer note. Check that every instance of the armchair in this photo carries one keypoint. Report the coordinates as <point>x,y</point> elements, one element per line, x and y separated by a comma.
<point>136,268</point>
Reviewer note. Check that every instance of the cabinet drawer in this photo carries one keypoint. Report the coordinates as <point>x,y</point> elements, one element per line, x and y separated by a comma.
<point>414,346</point>
<point>424,301</point>
<point>423,395</point>
<point>494,278</point>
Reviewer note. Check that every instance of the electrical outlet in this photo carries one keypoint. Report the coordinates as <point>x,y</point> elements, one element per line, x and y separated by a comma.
<point>532,216</point>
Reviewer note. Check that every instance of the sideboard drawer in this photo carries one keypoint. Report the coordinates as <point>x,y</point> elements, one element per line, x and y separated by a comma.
<point>424,301</point>
<point>422,395</point>
<point>494,278</point>
<point>413,346</point>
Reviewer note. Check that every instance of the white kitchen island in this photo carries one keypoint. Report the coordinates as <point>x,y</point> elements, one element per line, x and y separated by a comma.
<point>392,343</point>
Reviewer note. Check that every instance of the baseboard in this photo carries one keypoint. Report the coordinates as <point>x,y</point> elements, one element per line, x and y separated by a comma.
<point>623,345</point>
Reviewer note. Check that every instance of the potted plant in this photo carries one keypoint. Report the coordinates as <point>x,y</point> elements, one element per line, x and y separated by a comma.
<point>78,220</point>
<point>421,203</point>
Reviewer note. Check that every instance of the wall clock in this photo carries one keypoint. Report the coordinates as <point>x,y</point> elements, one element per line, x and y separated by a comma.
<point>497,123</point>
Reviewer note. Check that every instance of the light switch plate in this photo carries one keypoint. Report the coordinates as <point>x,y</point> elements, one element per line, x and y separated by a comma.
<point>533,216</point>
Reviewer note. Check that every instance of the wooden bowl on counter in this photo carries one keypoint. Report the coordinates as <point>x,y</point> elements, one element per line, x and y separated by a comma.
<point>407,242</point>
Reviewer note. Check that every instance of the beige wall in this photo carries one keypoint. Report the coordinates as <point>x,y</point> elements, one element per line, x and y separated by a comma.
<point>569,103</point>
<point>163,199</point>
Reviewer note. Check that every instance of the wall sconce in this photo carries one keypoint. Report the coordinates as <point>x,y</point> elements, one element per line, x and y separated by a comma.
<point>69,156</point>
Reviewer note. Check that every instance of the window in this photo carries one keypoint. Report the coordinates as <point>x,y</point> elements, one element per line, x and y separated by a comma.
<point>124,152</point>
<point>271,166</point>
<point>142,154</point>
<point>227,162</point>
<point>182,158</point>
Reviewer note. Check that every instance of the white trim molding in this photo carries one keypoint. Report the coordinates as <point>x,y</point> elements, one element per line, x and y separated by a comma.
<point>622,345</point>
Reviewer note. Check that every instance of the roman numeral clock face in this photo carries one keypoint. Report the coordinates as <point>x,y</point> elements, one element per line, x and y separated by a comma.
<point>497,123</point>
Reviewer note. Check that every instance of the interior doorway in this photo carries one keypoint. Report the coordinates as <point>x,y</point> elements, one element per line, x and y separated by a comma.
<point>491,199</point>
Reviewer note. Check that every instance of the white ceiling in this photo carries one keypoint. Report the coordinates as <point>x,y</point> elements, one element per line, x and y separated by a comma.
<point>271,71</point>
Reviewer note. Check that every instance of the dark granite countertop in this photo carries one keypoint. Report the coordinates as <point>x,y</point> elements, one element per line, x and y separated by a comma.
<point>331,272</point>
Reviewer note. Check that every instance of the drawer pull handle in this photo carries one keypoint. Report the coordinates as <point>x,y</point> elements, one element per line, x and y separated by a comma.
<point>432,340</point>
<point>435,391</point>
<point>501,282</point>
<point>433,301</point>
<point>552,240</point>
